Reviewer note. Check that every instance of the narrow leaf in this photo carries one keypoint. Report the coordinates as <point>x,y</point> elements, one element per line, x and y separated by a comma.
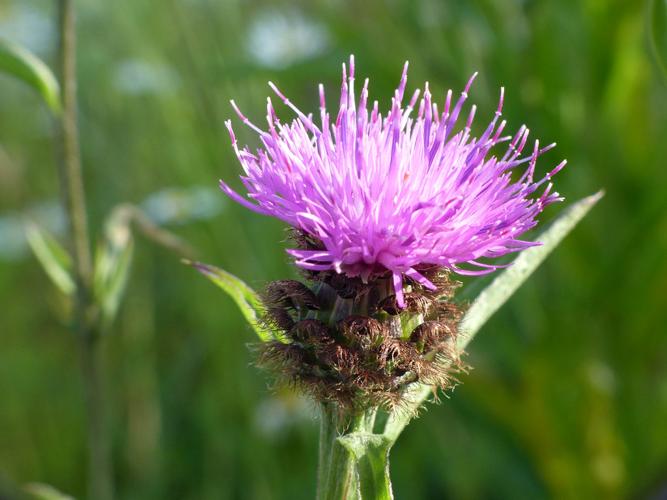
<point>54,258</point>
<point>45,492</point>
<point>494,296</point>
<point>245,297</point>
<point>658,32</point>
<point>112,262</point>
<point>22,64</point>
<point>504,286</point>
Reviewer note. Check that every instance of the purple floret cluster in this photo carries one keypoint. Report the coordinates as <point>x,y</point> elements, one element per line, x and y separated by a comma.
<point>399,192</point>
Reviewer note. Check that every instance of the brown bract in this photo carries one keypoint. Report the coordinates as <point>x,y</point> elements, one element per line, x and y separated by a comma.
<point>348,342</point>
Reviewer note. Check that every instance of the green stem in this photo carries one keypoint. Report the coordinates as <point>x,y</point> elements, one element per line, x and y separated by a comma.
<point>85,318</point>
<point>327,437</point>
<point>373,470</point>
<point>336,477</point>
<point>100,482</point>
<point>70,169</point>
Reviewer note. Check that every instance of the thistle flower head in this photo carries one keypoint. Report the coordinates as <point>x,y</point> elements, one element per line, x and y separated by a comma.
<point>392,194</point>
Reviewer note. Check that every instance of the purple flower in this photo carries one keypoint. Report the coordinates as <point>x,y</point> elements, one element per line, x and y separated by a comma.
<point>395,193</point>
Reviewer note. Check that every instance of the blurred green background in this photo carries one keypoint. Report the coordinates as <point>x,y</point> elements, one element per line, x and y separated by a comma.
<point>568,396</point>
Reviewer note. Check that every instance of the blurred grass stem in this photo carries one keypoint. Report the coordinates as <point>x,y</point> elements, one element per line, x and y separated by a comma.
<point>85,322</point>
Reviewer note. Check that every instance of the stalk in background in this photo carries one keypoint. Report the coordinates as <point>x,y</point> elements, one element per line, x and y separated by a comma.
<point>85,318</point>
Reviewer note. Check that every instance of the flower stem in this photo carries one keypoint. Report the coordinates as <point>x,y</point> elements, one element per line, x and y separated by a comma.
<point>373,470</point>
<point>337,477</point>
<point>85,318</point>
<point>100,482</point>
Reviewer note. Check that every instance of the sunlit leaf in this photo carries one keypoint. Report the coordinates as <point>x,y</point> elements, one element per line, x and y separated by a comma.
<point>507,282</point>
<point>493,297</point>
<point>41,491</point>
<point>52,256</point>
<point>245,297</point>
<point>22,64</point>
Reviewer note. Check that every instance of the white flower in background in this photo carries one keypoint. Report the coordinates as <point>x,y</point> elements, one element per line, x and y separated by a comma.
<point>279,38</point>
<point>29,27</point>
<point>180,206</point>
<point>142,77</point>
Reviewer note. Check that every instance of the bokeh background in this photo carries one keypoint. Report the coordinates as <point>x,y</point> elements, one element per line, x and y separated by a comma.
<point>568,396</point>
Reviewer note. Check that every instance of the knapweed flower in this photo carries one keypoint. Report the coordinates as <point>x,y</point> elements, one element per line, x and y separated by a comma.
<point>385,208</point>
<point>393,194</point>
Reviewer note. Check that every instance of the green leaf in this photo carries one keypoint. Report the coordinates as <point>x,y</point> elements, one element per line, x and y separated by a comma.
<point>658,32</point>
<point>492,298</point>
<point>112,264</point>
<point>245,297</point>
<point>22,64</point>
<point>54,258</point>
<point>45,492</point>
<point>506,283</point>
<point>371,455</point>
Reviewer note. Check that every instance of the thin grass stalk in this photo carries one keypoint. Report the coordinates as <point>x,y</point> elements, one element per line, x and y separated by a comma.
<point>85,320</point>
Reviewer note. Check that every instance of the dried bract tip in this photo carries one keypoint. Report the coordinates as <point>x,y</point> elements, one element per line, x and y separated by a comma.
<point>277,318</point>
<point>309,331</point>
<point>414,303</point>
<point>290,294</point>
<point>441,278</point>
<point>362,331</point>
<point>430,334</point>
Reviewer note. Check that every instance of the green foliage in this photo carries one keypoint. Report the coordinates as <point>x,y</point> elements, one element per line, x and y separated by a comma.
<point>22,64</point>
